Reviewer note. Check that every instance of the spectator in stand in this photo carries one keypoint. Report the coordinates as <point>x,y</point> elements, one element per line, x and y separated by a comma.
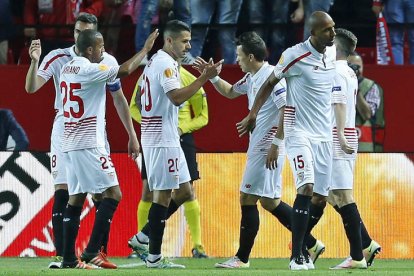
<point>147,11</point>
<point>370,120</point>
<point>119,18</point>
<point>398,14</point>
<point>10,127</point>
<point>6,30</point>
<point>226,13</point>
<point>58,13</point>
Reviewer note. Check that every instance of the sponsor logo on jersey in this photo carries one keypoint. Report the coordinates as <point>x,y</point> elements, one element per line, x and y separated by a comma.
<point>248,186</point>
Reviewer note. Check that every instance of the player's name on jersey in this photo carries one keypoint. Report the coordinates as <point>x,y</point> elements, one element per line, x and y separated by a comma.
<point>71,70</point>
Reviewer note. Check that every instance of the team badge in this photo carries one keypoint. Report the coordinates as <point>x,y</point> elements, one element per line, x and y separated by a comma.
<point>168,72</point>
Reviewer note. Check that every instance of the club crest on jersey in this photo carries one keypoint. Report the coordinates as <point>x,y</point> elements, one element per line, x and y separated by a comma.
<point>103,67</point>
<point>168,72</point>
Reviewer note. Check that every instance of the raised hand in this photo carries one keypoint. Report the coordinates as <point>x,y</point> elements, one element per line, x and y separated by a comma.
<point>199,64</point>
<point>35,50</point>
<point>212,69</point>
<point>149,43</point>
<point>246,125</point>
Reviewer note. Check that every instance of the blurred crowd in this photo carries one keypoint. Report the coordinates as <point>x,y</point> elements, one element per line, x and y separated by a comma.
<point>215,24</point>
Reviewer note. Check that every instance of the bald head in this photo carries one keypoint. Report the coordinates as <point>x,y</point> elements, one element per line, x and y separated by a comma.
<point>319,19</point>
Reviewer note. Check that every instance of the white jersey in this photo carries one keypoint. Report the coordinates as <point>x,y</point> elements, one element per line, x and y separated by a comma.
<point>344,91</point>
<point>159,126</point>
<point>268,117</point>
<point>83,90</point>
<point>309,76</point>
<point>53,63</point>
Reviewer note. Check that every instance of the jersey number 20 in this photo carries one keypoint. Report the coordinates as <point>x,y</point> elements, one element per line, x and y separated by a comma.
<point>146,91</point>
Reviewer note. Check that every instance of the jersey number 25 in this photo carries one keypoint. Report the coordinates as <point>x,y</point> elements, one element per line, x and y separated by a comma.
<point>68,95</point>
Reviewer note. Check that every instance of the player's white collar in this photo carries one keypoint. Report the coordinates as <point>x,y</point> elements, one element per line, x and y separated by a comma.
<point>312,49</point>
<point>72,51</point>
<point>259,72</point>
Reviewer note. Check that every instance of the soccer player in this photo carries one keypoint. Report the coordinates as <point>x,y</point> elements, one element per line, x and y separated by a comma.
<point>308,68</point>
<point>344,94</point>
<point>36,77</point>
<point>187,123</point>
<point>166,167</point>
<point>89,167</point>
<point>262,177</point>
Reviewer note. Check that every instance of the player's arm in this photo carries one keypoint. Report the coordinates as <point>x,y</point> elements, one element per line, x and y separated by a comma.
<point>340,118</point>
<point>273,153</point>
<point>222,86</point>
<point>122,109</point>
<point>33,81</point>
<point>132,64</point>
<point>249,122</point>
<point>180,95</point>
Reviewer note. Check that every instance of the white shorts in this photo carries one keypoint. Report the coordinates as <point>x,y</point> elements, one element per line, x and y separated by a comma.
<point>90,171</point>
<point>258,180</point>
<point>343,174</point>
<point>166,168</point>
<point>57,158</point>
<point>311,163</point>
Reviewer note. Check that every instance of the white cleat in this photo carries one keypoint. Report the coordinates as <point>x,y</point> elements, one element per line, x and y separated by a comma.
<point>316,251</point>
<point>309,263</point>
<point>233,262</point>
<point>351,264</point>
<point>297,264</point>
<point>56,262</point>
<point>139,247</point>
<point>371,251</point>
<point>163,263</point>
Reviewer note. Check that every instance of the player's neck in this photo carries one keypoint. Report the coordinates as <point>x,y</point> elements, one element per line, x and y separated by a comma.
<point>318,47</point>
<point>256,67</point>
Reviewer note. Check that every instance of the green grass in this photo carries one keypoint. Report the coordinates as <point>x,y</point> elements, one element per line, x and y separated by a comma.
<point>38,266</point>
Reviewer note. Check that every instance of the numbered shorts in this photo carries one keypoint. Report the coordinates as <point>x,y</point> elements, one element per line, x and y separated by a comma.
<point>343,174</point>
<point>90,171</point>
<point>311,162</point>
<point>57,157</point>
<point>257,180</point>
<point>166,168</point>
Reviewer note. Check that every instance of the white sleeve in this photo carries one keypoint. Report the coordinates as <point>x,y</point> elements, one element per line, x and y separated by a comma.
<point>48,68</point>
<point>279,94</point>
<point>242,86</point>
<point>101,72</point>
<point>287,65</point>
<point>169,77</point>
<point>111,61</point>
<point>339,89</point>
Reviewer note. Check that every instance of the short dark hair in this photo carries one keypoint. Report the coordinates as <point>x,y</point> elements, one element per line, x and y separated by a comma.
<point>87,38</point>
<point>88,18</point>
<point>347,41</point>
<point>175,27</point>
<point>252,43</point>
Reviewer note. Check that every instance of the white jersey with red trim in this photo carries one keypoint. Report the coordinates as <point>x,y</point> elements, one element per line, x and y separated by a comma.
<point>53,63</point>
<point>84,97</point>
<point>309,76</point>
<point>344,91</point>
<point>268,117</point>
<point>159,126</point>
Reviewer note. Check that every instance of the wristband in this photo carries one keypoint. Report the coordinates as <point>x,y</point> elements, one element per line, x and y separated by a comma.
<point>215,79</point>
<point>276,141</point>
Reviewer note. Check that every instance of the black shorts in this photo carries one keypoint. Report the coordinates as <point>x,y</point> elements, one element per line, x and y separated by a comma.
<point>189,149</point>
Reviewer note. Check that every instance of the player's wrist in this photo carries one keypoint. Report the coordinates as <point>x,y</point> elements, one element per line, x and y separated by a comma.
<point>214,80</point>
<point>277,142</point>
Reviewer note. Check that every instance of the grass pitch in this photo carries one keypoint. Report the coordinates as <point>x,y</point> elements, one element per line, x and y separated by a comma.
<point>38,266</point>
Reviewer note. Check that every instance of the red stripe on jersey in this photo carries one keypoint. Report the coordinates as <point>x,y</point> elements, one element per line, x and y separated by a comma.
<point>53,59</point>
<point>295,60</point>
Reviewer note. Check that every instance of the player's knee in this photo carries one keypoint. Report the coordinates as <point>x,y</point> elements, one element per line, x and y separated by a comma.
<point>306,189</point>
<point>269,204</point>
